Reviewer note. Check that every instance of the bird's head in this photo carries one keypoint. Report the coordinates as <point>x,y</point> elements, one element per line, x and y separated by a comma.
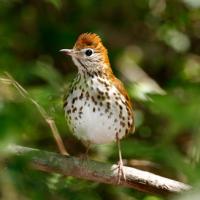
<point>89,54</point>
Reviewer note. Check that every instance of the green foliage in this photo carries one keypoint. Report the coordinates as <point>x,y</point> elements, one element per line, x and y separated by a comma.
<point>153,46</point>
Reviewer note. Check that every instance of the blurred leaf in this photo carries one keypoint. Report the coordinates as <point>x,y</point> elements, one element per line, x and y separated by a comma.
<point>174,38</point>
<point>56,3</point>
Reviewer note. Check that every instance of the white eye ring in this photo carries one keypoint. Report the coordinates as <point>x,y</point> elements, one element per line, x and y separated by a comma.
<point>89,52</point>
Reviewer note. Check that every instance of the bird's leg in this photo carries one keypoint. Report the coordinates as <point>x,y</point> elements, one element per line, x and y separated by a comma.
<point>87,148</point>
<point>120,162</point>
<point>85,155</point>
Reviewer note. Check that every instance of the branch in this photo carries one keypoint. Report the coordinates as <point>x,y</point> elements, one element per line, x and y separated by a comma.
<point>97,171</point>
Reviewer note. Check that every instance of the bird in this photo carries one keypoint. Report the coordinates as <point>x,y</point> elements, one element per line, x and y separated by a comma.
<point>97,106</point>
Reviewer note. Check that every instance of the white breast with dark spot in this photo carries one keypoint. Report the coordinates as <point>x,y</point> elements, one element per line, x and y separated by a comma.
<point>96,111</point>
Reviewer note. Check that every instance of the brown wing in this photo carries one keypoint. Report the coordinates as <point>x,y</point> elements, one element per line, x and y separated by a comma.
<point>119,85</point>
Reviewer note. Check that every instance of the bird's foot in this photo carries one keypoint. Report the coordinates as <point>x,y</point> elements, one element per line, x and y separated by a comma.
<point>121,174</point>
<point>84,157</point>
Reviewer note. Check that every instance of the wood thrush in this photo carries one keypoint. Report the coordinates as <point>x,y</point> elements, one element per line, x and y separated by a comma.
<point>97,106</point>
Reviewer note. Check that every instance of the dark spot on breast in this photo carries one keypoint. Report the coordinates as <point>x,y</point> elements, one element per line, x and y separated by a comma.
<point>98,73</point>
<point>120,114</point>
<point>103,97</point>
<point>99,91</point>
<point>110,114</point>
<point>122,123</point>
<point>65,103</point>
<point>108,105</point>
<point>124,103</point>
<point>129,124</point>
<point>93,99</point>
<point>74,99</point>
<point>81,96</point>
<point>129,112</point>
<point>74,109</point>
<point>87,95</point>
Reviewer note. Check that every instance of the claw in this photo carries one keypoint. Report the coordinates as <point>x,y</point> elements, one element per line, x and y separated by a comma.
<point>121,174</point>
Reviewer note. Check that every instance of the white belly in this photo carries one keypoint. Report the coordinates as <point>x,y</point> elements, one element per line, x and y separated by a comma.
<point>95,119</point>
<point>95,126</point>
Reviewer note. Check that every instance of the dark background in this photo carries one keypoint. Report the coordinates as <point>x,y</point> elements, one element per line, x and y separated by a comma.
<point>154,47</point>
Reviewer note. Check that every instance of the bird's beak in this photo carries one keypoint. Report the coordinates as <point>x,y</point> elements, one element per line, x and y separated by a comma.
<point>69,52</point>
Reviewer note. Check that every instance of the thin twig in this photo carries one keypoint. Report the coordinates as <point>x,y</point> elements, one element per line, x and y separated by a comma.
<point>97,171</point>
<point>47,118</point>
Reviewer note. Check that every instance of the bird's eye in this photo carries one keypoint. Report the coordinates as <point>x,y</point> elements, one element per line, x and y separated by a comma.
<point>88,52</point>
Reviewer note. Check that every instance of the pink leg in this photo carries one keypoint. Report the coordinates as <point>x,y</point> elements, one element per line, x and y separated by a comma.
<point>120,162</point>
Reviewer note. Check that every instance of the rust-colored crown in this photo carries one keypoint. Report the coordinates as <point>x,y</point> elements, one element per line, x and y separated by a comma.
<point>92,40</point>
